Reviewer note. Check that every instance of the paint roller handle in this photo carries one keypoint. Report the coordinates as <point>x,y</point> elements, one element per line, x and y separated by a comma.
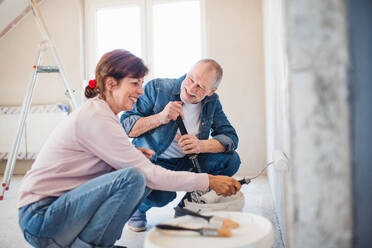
<point>181,126</point>
<point>245,180</point>
<point>183,131</point>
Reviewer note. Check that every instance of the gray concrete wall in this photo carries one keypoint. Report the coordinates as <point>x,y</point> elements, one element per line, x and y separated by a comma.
<point>319,185</point>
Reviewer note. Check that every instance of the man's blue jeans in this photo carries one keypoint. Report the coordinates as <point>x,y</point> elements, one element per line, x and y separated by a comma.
<point>212,163</point>
<point>91,215</point>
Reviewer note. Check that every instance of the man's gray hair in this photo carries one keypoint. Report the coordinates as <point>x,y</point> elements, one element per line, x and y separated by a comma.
<point>213,65</point>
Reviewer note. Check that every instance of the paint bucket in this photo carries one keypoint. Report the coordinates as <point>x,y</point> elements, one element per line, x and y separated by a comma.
<point>216,202</point>
<point>254,231</point>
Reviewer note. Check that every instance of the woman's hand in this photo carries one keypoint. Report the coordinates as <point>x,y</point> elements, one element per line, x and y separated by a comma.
<point>224,185</point>
<point>147,152</point>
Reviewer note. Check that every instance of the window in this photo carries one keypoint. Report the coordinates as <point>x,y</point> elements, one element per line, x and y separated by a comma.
<point>176,37</point>
<point>166,34</point>
<point>118,28</point>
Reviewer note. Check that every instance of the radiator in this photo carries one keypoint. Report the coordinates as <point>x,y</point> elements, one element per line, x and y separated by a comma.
<point>41,120</point>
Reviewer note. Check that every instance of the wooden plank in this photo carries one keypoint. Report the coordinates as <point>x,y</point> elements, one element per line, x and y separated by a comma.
<point>16,20</point>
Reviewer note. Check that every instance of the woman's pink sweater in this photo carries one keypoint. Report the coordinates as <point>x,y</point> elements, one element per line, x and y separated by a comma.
<point>90,143</point>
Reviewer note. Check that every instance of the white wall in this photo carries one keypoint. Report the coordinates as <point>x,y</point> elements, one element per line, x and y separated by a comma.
<point>19,49</point>
<point>234,38</point>
<point>277,121</point>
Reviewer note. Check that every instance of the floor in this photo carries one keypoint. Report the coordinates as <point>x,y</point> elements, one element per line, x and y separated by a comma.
<point>258,201</point>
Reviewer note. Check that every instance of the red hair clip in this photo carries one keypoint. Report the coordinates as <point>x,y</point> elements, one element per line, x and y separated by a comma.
<point>92,83</point>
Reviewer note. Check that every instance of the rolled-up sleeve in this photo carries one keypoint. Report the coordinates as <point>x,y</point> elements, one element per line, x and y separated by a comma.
<point>226,141</point>
<point>128,120</point>
<point>223,131</point>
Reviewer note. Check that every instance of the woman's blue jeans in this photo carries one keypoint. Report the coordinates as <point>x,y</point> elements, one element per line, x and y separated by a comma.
<point>91,215</point>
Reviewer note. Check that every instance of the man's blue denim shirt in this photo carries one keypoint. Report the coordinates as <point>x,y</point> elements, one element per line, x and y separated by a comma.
<point>157,94</point>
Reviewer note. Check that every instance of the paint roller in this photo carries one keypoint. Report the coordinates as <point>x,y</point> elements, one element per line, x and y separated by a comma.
<point>280,161</point>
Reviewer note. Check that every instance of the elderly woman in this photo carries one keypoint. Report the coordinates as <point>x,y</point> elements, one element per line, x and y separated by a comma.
<point>88,178</point>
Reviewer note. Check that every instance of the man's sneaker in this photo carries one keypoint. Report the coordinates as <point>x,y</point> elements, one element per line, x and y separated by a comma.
<point>138,221</point>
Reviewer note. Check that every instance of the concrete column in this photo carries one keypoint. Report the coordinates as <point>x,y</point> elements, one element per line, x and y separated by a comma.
<point>319,182</point>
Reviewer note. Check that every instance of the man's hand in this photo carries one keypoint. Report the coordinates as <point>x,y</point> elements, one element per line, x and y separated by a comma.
<point>190,144</point>
<point>224,185</point>
<point>171,111</point>
<point>147,152</point>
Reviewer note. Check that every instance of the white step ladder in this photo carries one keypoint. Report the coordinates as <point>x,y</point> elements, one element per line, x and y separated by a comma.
<point>45,46</point>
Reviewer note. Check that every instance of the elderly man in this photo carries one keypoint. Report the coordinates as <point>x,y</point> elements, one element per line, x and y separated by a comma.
<point>152,125</point>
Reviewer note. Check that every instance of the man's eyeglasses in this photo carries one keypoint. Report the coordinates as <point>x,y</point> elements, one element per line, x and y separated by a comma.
<point>200,89</point>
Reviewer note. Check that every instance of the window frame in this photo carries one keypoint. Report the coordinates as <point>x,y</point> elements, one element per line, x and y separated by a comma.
<point>146,16</point>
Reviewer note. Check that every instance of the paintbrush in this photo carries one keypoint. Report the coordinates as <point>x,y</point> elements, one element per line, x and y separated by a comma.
<point>213,232</point>
<point>224,222</point>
